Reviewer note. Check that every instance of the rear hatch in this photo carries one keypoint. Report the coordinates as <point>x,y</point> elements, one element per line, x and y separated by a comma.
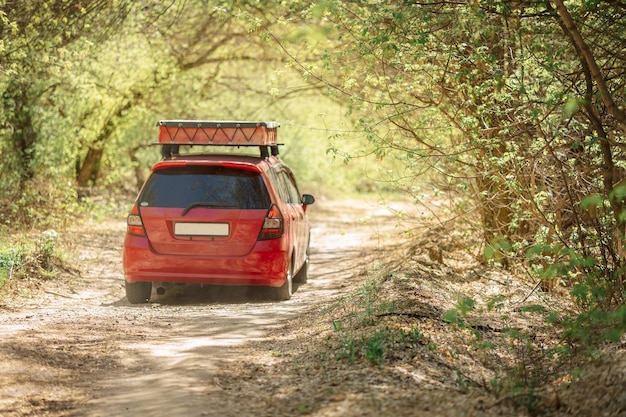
<point>204,210</point>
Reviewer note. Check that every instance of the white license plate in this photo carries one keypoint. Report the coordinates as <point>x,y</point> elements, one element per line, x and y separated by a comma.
<point>201,229</point>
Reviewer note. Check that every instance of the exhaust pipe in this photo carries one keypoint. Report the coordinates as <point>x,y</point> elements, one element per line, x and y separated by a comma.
<point>160,290</point>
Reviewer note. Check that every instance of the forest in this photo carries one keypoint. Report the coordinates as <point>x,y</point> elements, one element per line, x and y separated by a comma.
<point>512,111</point>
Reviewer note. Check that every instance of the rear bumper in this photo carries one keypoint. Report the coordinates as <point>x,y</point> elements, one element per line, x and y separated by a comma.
<point>265,265</point>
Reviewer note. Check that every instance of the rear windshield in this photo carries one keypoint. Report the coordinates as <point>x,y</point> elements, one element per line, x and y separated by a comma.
<point>219,187</point>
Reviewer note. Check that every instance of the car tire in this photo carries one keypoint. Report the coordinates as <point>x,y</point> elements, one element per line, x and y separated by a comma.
<point>284,292</point>
<point>138,292</point>
<point>303,274</point>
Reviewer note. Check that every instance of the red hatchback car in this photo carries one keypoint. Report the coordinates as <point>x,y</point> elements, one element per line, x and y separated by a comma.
<point>225,219</point>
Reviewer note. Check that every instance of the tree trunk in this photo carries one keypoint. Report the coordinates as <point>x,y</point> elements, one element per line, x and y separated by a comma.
<point>139,172</point>
<point>90,168</point>
<point>589,59</point>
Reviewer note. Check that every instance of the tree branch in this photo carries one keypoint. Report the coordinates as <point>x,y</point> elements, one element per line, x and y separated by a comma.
<point>576,37</point>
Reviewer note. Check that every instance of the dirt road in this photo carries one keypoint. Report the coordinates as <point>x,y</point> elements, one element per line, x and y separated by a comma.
<point>78,348</point>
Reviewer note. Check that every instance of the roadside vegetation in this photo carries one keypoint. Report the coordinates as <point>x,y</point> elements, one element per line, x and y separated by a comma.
<point>27,260</point>
<point>509,114</point>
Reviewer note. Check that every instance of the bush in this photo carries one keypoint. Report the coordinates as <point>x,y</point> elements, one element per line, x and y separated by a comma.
<point>11,260</point>
<point>29,259</point>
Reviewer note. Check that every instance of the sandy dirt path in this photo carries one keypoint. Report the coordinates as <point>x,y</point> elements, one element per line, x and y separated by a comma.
<point>78,348</point>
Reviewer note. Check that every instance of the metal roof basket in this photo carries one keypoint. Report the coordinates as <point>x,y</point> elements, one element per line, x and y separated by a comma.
<point>173,133</point>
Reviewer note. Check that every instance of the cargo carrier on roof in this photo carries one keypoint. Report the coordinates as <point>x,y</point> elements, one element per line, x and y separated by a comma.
<point>173,133</point>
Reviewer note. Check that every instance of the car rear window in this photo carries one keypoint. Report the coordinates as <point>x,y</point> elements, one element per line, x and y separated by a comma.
<point>220,187</point>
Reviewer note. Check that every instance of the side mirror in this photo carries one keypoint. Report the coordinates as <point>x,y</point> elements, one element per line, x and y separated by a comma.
<point>307,199</point>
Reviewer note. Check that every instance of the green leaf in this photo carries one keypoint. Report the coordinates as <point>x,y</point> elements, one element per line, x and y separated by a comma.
<point>613,335</point>
<point>465,305</point>
<point>570,108</point>
<point>533,308</point>
<point>553,318</point>
<point>489,252</point>
<point>452,316</point>
<point>591,201</point>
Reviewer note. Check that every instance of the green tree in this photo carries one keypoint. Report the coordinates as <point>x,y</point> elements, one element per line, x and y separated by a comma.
<point>505,99</point>
<point>83,91</point>
<point>37,39</point>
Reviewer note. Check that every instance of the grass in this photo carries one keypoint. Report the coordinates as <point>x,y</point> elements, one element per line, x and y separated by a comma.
<point>11,259</point>
<point>380,325</point>
<point>362,334</point>
<point>34,257</point>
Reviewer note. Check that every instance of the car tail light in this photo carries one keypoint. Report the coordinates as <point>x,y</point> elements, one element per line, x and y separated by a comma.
<point>272,225</point>
<point>134,223</point>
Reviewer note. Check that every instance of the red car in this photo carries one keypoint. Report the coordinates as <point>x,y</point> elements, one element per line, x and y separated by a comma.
<point>226,219</point>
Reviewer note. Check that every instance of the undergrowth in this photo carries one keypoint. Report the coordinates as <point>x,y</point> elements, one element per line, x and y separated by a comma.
<point>25,260</point>
<point>510,353</point>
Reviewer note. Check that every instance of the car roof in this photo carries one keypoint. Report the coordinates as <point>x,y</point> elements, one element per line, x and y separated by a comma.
<point>233,160</point>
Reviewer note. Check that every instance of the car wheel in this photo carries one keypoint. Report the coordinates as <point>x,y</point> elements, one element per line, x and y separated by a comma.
<point>303,274</point>
<point>284,293</point>
<point>138,292</point>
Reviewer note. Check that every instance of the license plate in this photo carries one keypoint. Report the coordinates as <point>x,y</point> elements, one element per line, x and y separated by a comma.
<point>201,229</point>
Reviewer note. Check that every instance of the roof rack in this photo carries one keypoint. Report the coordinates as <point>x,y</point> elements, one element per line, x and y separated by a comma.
<point>217,132</point>
<point>173,133</point>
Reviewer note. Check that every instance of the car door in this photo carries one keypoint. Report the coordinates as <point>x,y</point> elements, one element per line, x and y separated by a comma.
<point>298,216</point>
